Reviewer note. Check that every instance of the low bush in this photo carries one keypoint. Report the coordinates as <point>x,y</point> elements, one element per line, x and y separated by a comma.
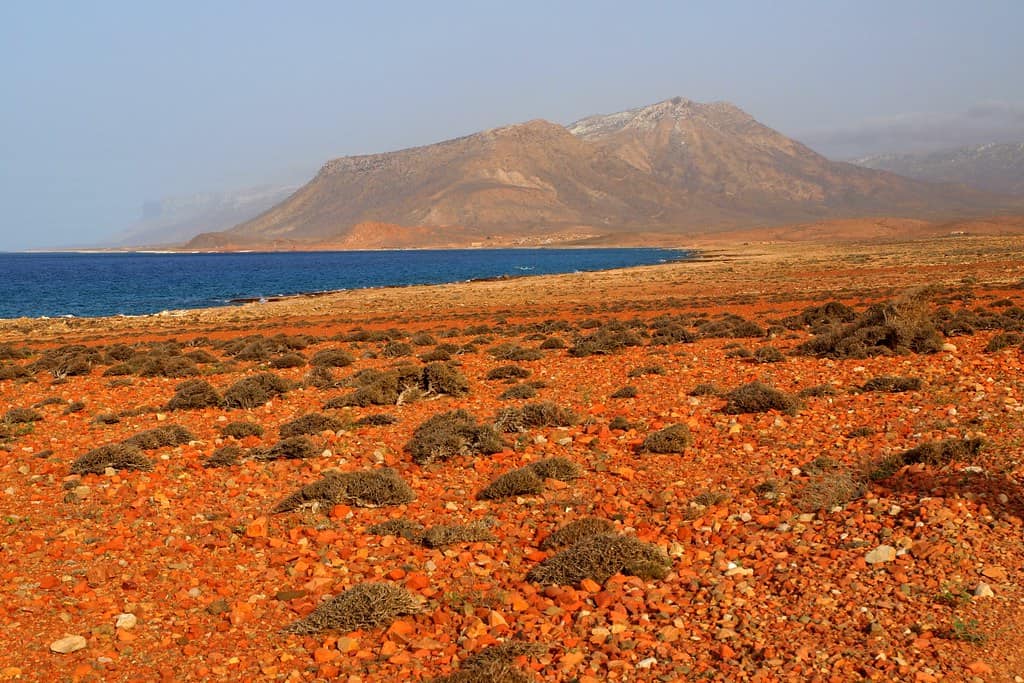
<point>599,558</point>
<point>194,393</point>
<point>241,429</point>
<point>118,456</point>
<point>160,437</point>
<point>366,605</point>
<point>575,531</point>
<point>312,423</point>
<point>672,439</point>
<point>756,397</point>
<point>450,434</point>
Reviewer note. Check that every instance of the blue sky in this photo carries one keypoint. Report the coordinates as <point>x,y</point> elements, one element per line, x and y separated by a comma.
<point>108,104</point>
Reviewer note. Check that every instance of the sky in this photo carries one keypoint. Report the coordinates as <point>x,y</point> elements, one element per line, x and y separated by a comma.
<point>106,105</point>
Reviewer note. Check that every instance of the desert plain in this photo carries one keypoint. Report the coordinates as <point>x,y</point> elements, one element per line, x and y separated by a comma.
<point>799,463</point>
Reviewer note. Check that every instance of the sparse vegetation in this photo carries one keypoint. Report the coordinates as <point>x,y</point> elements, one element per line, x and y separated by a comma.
<point>450,434</point>
<point>241,429</point>
<point>757,397</point>
<point>598,558</point>
<point>366,605</point>
<point>117,456</point>
<point>672,439</point>
<point>194,393</point>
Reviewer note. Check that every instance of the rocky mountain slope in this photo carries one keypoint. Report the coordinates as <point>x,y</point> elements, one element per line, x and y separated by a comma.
<point>992,168</point>
<point>677,166</point>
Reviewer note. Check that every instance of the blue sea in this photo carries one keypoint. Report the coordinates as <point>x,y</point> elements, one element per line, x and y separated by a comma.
<point>91,284</point>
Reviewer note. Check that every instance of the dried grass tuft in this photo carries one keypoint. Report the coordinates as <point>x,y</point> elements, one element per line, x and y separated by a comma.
<point>444,534</point>
<point>756,397</point>
<point>450,434</point>
<point>599,558</point>
<point>575,531</point>
<point>672,439</point>
<point>118,456</point>
<point>366,605</point>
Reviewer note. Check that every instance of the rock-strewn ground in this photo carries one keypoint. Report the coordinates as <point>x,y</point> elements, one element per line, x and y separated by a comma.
<point>800,543</point>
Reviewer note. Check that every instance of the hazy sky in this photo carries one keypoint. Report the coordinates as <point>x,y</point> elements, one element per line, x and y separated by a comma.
<point>108,104</point>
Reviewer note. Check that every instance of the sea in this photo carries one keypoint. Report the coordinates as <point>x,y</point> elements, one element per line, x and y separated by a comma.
<point>77,284</point>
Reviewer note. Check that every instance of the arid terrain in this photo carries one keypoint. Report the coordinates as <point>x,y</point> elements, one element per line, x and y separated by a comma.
<point>781,461</point>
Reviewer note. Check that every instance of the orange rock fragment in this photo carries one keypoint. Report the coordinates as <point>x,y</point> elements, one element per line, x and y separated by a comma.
<point>258,528</point>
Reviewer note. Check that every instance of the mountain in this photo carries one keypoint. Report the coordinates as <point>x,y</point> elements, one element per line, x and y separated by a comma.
<point>673,167</point>
<point>993,168</point>
<point>173,220</point>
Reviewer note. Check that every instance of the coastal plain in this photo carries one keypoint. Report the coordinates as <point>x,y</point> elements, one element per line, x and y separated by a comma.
<point>865,522</point>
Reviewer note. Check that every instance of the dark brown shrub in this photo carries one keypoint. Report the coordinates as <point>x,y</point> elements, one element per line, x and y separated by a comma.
<point>892,385</point>
<point>166,366</point>
<point>321,377</point>
<point>21,416</point>
<point>226,456</point>
<point>120,456</point>
<point>552,343</point>
<point>829,489</point>
<point>574,532</point>
<point>241,429</point>
<point>287,360</point>
<point>605,340</point>
<point>294,448</point>
<point>518,391</point>
<point>628,391</point>
<point>672,439</point>
<point>396,349</point>
<point>756,397</point>
<point>378,420</point>
<point>943,452</point>
<point>768,354</point>
<point>441,378</point>
<point>106,418</point>
<point>520,482</point>
<point>541,414</point>
<point>331,358</point>
<point>407,529</point>
<point>194,393</point>
<point>619,422</point>
<point>494,664</point>
<point>704,389</point>
<point>313,423</point>
<point>1002,341</point>
<point>202,357</point>
<point>422,339</point>
<point>646,370</point>
<point>12,371</point>
<point>508,372</point>
<point>255,390</point>
<point>449,434</point>
<point>160,437</point>
<point>902,327</point>
<point>599,558</point>
<point>367,488</point>
<point>559,468</point>
<point>367,605</point>
<point>442,535</point>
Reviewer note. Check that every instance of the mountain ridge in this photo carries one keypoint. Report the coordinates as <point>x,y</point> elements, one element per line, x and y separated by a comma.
<point>676,166</point>
<point>992,167</point>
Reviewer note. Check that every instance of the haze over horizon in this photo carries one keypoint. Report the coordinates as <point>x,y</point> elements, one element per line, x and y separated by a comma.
<point>113,105</point>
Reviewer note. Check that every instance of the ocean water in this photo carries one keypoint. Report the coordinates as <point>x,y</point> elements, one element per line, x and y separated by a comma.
<point>89,284</point>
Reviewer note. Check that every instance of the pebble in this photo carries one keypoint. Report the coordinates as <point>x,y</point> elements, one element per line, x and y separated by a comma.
<point>983,591</point>
<point>126,620</point>
<point>646,663</point>
<point>949,347</point>
<point>68,644</point>
<point>881,554</point>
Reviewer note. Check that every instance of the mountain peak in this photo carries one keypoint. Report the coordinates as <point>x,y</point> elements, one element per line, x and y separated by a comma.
<point>676,109</point>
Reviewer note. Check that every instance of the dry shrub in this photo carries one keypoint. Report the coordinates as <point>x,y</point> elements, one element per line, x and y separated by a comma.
<point>628,391</point>
<point>599,558</point>
<point>444,534</point>
<point>646,370</point>
<point>519,482</point>
<point>119,456</point>
<point>321,377</point>
<point>201,356</point>
<point>160,437</point>
<point>559,468</point>
<point>405,528</point>
<point>817,317</point>
<point>442,378</point>
<point>704,389</point>
<point>366,488</point>
<point>672,439</point>
<point>943,452</point>
<point>67,361</point>
<point>255,390</point>
<point>293,448</point>
<point>495,664</point>
<point>508,372</point>
<point>575,531</point>
<point>106,418</point>
<point>1002,341</point>
<point>241,429</point>
<point>331,358</point>
<point>768,354</point>
<point>449,434</point>
<point>226,456</point>
<point>905,326</point>
<point>514,352</point>
<point>739,351</point>
<point>435,355</point>
<point>9,351</point>
<point>422,339</point>
<point>74,407</point>
<point>756,397</point>
<point>287,360</point>
<point>552,343</point>
<point>12,371</point>
<point>21,416</point>
<point>313,423</point>
<point>620,422</point>
<point>830,489</point>
<point>156,365</point>
<point>729,325</point>
<point>378,420</point>
<point>540,414</point>
<point>366,605</point>
<point>606,340</point>
<point>194,393</point>
<point>396,349</point>
<point>818,390</point>
<point>518,392</point>
<point>403,384</point>
<point>892,385</point>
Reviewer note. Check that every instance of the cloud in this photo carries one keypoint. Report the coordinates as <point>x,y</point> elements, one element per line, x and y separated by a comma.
<point>921,132</point>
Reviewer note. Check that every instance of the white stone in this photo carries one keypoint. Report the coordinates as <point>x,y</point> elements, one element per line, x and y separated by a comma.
<point>126,621</point>
<point>949,347</point>
<point>881,554</point>
<point>68,644</point>
<point>983,591</point>
<point>646,663</point>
